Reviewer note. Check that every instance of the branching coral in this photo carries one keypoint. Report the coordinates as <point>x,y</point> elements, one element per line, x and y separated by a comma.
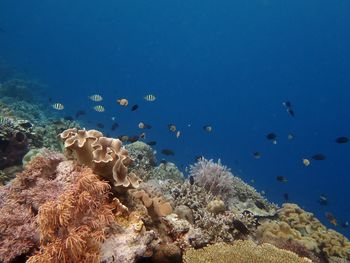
<point>242,252</point>
<point>73,226</point>
<point>105,156</point>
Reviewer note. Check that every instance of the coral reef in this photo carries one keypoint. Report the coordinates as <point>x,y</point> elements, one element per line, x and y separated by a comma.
<point>167,170</point>
<point>105,156</point>
<point>242,252</point>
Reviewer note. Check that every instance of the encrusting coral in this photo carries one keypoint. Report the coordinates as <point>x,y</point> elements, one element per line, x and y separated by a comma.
<point>105,156</point>
<point>242,252</point>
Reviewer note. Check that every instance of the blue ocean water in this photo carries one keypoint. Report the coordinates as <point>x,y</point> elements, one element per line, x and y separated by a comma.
<point>226,63</point>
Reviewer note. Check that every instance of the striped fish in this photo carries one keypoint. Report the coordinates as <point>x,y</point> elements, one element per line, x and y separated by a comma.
<point>99,108</point>
<point>96,97</point>
<point>58,106</point>
<point>150,97</point>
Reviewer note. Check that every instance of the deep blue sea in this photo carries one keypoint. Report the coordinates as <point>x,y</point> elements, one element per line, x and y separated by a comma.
<point>226,63</point>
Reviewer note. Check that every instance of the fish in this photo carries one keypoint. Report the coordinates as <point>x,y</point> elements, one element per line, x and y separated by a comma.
<point>290,136</point>
<point>123,138</point>
<point>133,138</point>
<point>345,224</point>
<point>323,200</point>
<point>272,137</point>
<point>167,152</point>
<point>178,133</point>
<point>260,204</point>
<point>306,162</point>
<point>100,125</point>
<point>281,179</point>
<point>114,126</point>
<point>142,135</point>
<point>68,118</point>
<point>50,99</point>
<point>99,108</point>
<point>286,197</point>
<point>319,157</point>
<point>150,97</point>
<point>291,112</point>
<point>134,107</point>
<point>191,179</point>
<point>208,128</point>
<point>240,226</point>
<point>287,104</point>
<point>58,106</point>
<point>342,139</point>
<point>123,102</point>
<point>143,125</point>
<point>79,113</point>
<point>198,158</point>
<point>152,143</point>
<point>164,162</point>
<point>257,155</point>
<point>172,127</point>
<point>330,217</point>
<point>96,97</point>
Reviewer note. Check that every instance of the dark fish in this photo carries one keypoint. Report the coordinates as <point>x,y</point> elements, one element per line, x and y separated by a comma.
<point>323,200</point>
<point>163,161</point>
<point>114,126</point>
<point>260,204</point>
<point>208,128</point>
<point>257,155</point>
<point>342,139</point>
<point>241,227</point>
<point>152,143</point>
<point>319,157</point>
<point>133,138</point>
<point>287,104</point>
<point>291,112</point>
<point>68,118</point>
<point>281,179</point>
<point>330,217</point>
<point>123,138</point>
<point>345,224</point>
<point>191,179</point>
<point>79,113</point>
<point>100,125</point>
<point>271,136</point>
<point>286,197</point>
<point>134,107</point>
<point>167,152</point>
<point>198,158</point>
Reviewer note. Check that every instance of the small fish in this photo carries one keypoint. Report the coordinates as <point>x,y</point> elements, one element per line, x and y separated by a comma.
<point>291,112</point>
<point>58,106</point>
<point>330,217</point>
<point>272,137</point>
<point>68,118</point>
<point>306,162</point>
<point>114,126</point>
<point>134,107</point>
<point>142,135</point>
<point>323,200</point>
<point>319,157</point>
<point>198,158</point>
<point>123,102</point>
<point>286,197</point>
<point>96,97</point>
<point>342,139</point>
<point>152,143</point>
<point>132,139</point>
<point>178,133</point>
<point>345,224</point>
<point>172,127</point>
<point>150,97</point>
<point>257,155</point>
<point>99,108</point>
<point>281,179</point>
<point>240,226</point>
<point>123,138</point>
<point>167,152</point>
<point>290,136</point>
<point>100,125</point>
<point>143,125</point>
<point>79,113</point>
<point>287,104</point>
<point>191,179</point>
<point>164,162</point>
<point>208,128</point>
<point>260,204</point>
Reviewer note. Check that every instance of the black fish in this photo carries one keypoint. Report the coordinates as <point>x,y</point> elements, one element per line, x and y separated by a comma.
<point>319,157</point>
<point>323,200</point>
<point>271,136</point>
<point>191,179</point>
<point>79,113</point>
<point>198,158</point>
<point>287,104</point>
<point>260,204</point>
<point>133,138</point>
<point>241,227</point>
<point>167,152</point>
<point>68,118</point>
<point>100,125</point>
<point>291,112</point>
<point>257,155</point>
<point>281,179</point>
<point>345,224</point>
<point>114,126</point>
<point>342,139</point>
<point>286,197</point>
<point>152,143</point>
<point>134,107</point>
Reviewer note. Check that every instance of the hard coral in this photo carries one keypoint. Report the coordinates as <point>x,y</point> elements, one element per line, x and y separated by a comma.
<point>105,156</point>
<point>242,252</point>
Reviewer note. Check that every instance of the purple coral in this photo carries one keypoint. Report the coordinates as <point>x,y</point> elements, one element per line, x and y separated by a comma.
<point>214,177</point>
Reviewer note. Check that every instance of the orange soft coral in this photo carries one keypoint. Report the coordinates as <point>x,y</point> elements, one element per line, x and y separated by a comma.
<point>73,226</point>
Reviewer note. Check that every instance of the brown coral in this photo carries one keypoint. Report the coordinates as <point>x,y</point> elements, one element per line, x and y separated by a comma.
<point>105,156</point>
<point>73,226</point>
